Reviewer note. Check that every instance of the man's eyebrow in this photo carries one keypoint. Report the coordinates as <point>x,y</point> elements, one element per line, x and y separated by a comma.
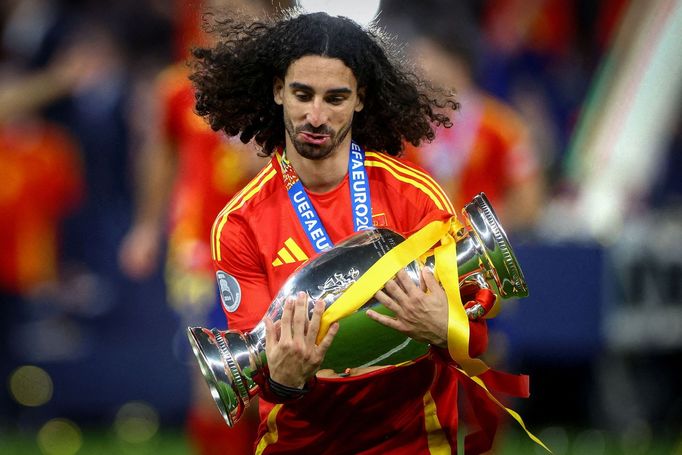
<point>299,86</point>
<point>339,91</point>
<point>333,91</point>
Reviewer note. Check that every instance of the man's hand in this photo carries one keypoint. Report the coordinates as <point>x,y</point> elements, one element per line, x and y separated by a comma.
<point>421,315</point>
<point>290,343</point>
<point>139,252</point>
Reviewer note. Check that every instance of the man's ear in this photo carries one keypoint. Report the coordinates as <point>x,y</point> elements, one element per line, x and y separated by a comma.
<point>360,103</point>
<point>277,89</point>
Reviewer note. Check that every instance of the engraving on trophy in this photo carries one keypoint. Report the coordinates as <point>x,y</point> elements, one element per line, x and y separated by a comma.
<point>385,243</point>
<point>339,282</point>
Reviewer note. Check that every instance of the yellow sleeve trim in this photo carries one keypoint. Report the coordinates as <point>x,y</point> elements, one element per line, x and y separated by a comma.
<point>428,184</point>
<point>271,436</point>
<point>428,192</point>
<point>237,202</point>
<point>420,174</point>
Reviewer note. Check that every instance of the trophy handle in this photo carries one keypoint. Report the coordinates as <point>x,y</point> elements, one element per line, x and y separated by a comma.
<point>477,310</point>
<point>494,249</point>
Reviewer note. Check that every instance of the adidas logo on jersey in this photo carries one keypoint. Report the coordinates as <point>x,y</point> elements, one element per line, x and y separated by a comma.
<point>289,254</point>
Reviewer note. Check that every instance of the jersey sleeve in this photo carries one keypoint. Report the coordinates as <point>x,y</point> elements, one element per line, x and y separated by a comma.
<point>413,194</point>
<point>242,281</point>
<point>432,195</point>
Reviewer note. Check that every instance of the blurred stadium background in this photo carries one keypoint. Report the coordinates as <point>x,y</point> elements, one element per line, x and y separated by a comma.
<point>94,362</point>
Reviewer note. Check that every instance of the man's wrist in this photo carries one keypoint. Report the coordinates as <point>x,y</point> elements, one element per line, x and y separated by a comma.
<point>442,344</point>
<point>285,392</point>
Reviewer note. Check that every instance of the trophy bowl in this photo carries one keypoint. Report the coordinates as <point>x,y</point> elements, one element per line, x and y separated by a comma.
<point>229,360</point>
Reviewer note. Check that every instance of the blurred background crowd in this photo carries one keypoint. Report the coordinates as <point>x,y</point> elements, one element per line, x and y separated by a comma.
<point>569,121</point>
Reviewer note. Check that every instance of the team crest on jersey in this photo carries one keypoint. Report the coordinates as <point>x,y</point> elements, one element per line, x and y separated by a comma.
<point>379,220</point>
<point>230,292</point>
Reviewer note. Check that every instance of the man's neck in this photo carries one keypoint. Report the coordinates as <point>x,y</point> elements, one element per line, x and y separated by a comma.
<point>320,176</point>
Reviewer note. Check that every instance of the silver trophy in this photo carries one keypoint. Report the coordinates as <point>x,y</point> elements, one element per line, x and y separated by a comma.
<point>229,360</point>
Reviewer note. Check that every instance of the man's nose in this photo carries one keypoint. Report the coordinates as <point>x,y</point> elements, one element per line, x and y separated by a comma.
<point>316,114</point>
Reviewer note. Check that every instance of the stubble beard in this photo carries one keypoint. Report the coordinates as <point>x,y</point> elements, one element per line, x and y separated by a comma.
<point>312,151</point>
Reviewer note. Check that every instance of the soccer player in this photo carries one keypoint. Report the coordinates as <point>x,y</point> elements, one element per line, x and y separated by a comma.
<point>330,105</point>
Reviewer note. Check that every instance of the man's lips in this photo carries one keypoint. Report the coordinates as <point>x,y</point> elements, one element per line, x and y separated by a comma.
<point>313,138</point>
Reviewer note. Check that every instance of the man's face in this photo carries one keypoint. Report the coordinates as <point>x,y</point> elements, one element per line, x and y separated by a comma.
<point>319,96</point>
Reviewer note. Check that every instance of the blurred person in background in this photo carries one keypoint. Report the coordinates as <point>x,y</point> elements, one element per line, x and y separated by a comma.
<point>42,183</point>
<point>540,56</point>
<point>93,315</point>
<point>94,110</point>
<point>187,173</point>
<point>489,147</point>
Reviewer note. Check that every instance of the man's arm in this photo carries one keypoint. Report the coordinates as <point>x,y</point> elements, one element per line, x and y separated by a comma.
<point>140,249</point>
<point>74,68</point>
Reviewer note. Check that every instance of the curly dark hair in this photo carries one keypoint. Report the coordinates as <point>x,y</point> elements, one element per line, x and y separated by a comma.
<point>234,80</point>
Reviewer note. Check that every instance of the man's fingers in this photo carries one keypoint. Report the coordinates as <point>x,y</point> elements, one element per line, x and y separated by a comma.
<point>383,319</point>
<point>405,282</point>
<point>328,338</point>
<point>387,301</point>
<point>314,325</point>
<point>278,329</point>
<point>270,336</point>
<point>300,320</point>
<point>286,319</point>
<point>394,290</point>
<point>430,280</point>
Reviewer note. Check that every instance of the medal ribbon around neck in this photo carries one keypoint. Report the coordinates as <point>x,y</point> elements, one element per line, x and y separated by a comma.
<point>307,215</point>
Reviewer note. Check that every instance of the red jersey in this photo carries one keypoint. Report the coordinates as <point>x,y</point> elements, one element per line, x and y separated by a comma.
<point>41,181</point>
<point>258,241</point>
<point>211,168</point>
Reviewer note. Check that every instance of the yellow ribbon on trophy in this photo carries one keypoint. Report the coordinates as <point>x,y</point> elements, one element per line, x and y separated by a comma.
<point>436,232</point>
<point>383,270</point>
